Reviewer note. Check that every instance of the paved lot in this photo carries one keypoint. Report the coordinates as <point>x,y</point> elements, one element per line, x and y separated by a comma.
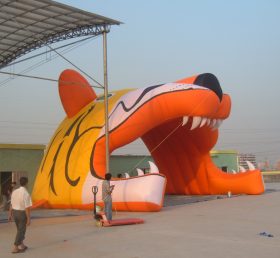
<point>224,227</point>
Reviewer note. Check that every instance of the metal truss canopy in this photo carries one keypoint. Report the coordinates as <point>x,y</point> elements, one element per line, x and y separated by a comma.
<point>26,25</point>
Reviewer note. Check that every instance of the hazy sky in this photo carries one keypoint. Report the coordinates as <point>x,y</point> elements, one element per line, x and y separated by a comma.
<point>162,41</point>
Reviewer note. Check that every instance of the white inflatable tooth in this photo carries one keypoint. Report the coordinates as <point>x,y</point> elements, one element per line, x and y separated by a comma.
<point>250,165</point>
<point>127,175</point>
<point>153,167</point>
<point>208,121</point>
<point>233,171</point>
<point>203,121</point>
<point>185,120</point>
<point>195,122</point>
<point>242,169</point>
<point>140,172</point>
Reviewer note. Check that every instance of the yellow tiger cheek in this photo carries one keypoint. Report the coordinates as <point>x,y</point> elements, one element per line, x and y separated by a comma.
<point>66,164</point>
<point>79,165</point>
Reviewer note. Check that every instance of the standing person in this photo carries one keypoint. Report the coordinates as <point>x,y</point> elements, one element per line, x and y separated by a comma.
<point>107,195</point>
<point>20,211</point>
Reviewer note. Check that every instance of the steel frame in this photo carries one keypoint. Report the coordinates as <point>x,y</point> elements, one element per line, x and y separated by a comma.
<point>95,30</point>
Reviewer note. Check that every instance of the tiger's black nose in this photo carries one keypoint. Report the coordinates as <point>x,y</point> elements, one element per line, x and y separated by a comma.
<point>210,81</point>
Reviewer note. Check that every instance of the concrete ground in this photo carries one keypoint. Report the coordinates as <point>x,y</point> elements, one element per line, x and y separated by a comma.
<point>216,227</point>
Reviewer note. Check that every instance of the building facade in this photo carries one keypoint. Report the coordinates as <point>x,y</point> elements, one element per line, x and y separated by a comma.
<point>120,164</point>
<point>226,160</point>
<point>17,160</point>
<point>242,158</point>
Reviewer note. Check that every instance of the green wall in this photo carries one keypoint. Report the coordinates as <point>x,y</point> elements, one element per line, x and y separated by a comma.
<point>225,159</point>
<point>27,158</point>
<point>21,158</point>
<point>126,163</point>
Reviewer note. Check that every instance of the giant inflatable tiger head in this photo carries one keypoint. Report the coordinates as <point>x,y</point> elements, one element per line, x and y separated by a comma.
<point>178,122</point>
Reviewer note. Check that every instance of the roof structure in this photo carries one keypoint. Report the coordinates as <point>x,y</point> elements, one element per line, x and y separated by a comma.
<point>26,25</point>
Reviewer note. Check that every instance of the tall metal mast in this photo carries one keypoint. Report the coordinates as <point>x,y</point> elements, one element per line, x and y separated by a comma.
<point>106,100</point>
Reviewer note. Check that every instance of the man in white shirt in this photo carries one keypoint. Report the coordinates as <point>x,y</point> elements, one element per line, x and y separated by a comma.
<point>20,211</point>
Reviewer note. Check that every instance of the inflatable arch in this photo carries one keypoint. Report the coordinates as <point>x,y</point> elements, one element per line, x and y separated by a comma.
<point>178,122</point>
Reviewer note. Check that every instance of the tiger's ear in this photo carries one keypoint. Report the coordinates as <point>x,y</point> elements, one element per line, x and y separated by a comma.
<point>75,92</point>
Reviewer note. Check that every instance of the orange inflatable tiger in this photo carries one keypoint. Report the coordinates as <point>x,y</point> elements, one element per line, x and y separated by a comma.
<point>178,122</point>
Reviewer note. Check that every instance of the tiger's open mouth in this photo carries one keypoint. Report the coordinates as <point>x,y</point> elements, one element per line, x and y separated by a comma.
<point>178,122</point>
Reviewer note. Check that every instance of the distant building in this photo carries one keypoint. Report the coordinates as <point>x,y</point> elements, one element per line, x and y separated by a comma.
<point>242,158</point>
<point>277,166</point>
<point>226,160</point>
<point>17,160</point>
<point>119,164</point>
